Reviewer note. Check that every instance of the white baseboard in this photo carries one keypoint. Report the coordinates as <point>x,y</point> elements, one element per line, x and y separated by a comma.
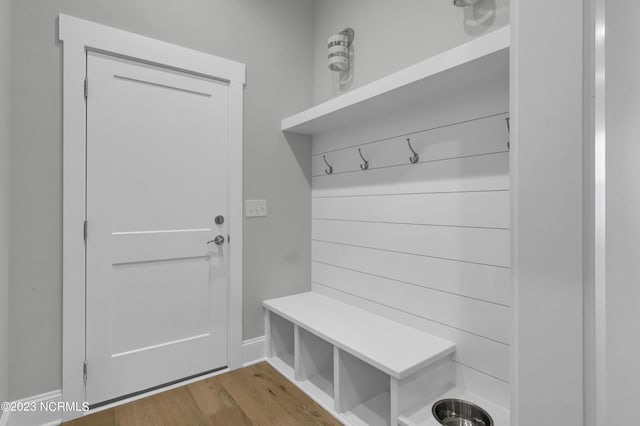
<point>253,350</point>
<point>37,417</point>
<point>4,418</point>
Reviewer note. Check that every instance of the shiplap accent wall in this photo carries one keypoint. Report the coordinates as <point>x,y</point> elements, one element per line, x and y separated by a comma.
<point>426,244</point>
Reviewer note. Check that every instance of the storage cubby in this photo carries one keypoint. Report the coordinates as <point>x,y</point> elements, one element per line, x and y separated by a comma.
<point>282,342</point>
<point>364,392</point>
<point>316,366</point>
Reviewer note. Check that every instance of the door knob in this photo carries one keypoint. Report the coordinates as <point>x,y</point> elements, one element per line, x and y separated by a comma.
<point>219,240</point>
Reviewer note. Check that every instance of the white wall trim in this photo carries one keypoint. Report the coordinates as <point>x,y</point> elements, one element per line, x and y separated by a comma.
<point>101,37</point>
<point>78,36</point>
<point>513,109</point>
<point>253,350</point>
<point>37,417</point>
<point>598,169</point>
<point>547,224</point>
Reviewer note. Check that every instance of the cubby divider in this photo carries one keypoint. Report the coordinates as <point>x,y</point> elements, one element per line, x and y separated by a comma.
<point>281,341</point>
<point>316,365</point>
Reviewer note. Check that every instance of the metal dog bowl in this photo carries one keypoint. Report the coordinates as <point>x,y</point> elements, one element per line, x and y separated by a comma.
<point>456,412</point>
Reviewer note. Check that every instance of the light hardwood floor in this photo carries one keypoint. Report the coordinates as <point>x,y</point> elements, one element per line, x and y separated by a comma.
<point>254,395</point>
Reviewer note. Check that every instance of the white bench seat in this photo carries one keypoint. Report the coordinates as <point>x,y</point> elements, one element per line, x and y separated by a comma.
<point>392,347</point>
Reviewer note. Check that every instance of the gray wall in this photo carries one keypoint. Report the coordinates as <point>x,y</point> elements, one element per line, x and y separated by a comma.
<point>622,210</point>
<point>4,193</point>
<point>546,161</point>
<point>391,35</point>
<point>272,38</point>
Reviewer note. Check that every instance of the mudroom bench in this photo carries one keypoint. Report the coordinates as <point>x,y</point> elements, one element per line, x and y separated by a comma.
<point>363,367</point>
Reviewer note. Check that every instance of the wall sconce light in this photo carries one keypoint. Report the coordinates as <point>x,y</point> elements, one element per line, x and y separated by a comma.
<point>338,45</point>
<point>464,3</point>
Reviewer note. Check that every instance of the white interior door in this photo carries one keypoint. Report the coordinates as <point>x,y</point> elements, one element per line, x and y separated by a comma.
<point>156,289</point>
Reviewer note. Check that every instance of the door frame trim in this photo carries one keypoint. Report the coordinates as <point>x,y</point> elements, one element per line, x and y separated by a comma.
<point>77,37</point>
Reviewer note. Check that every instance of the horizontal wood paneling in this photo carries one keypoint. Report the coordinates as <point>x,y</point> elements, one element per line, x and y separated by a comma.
<point>474,209</point>
<point>453,141</point>
<point>475,316</point>
<point>482,282</point>
<point>425,244</point>
<point>477,173</point>
<point>489,388</point>
<point>487,356</point>
<point>452,107</point>
<point>477,245</point>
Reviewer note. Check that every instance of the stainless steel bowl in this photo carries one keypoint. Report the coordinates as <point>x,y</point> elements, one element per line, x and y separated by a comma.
<point>456,412</point>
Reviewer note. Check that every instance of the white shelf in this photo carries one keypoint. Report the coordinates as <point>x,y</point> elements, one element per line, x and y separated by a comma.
<point>483,59</point>
<point>420,415</point>
<point>373,412</point>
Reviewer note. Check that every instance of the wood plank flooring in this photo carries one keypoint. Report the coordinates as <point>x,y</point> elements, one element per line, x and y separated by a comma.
<point>255,395</point>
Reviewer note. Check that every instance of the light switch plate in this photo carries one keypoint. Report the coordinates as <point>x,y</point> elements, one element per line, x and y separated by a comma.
<point>255,208</point>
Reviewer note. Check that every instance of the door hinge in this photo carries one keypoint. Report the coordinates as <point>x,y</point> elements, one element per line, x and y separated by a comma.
<point>86,88</point>
<point>85,231</point>
<point>228,238</point>
<point>84,372</point>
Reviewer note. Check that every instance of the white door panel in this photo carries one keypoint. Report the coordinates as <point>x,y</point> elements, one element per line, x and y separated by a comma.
<point>134,283</point>
<point>156,179</point>
<point>133,247</point>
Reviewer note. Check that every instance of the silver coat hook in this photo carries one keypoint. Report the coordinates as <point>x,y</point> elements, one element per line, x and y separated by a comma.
<point>364,166</point>
<point>415,157</point>
<point>330,167</point>
<point>508,120</point>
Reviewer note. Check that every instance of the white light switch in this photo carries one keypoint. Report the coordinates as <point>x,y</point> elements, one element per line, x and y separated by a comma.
<point>255,208</point>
